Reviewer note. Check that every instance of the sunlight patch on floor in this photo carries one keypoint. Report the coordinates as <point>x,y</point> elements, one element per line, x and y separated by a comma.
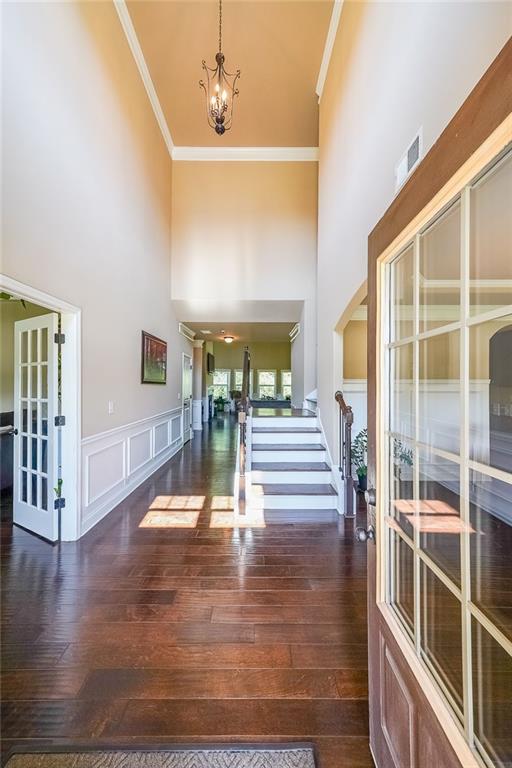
<point>432,516</point>
<point>176,519</point>
<point>224,516</point>
<point>177,502</point>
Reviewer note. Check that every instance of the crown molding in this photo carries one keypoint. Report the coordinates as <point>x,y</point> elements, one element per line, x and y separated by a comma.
<point>256,154</point>
<point>133,42</point>
<point>329,45</point>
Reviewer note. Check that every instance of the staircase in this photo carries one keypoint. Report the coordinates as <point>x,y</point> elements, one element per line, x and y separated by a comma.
<point>288,461</point>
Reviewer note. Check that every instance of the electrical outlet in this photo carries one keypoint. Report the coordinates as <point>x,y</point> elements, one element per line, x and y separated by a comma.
<point>110,407</point>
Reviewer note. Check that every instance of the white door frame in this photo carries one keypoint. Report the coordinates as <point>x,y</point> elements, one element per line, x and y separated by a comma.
<point>71,397</point>
<point>189,358</point>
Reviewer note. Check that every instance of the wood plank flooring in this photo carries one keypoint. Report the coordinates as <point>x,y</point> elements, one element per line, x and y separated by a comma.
<point>171,635</point>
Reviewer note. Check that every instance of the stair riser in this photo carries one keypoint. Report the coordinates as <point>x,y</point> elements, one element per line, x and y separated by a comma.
<point>290,456</point>
<point>284,421</point>
<point>265,476</point>
<point>286,437</point>
<point>293,502</point>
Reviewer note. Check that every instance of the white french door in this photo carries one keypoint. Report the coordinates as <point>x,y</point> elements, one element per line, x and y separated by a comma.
<point>35,409</point>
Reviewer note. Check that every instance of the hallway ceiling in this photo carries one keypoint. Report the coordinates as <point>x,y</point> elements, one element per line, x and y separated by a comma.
<point>277,45</point>
<point>244,332</point>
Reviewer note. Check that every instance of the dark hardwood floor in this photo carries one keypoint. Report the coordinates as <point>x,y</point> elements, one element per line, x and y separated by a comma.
<point>137,635</point>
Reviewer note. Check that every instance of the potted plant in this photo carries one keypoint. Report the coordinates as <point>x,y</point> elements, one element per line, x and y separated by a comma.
<point>359,458</point>
<point>220,403</point>
<point>403,458</point>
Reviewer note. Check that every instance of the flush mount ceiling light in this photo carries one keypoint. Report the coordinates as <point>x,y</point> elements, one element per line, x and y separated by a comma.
<point>229,339</point>
<point>220,89</point>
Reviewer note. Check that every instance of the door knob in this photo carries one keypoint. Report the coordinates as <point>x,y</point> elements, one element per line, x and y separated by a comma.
<point>365,534</point>
<point>370,497</point>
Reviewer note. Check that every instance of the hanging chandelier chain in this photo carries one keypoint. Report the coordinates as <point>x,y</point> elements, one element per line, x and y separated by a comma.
<point>220,26</point>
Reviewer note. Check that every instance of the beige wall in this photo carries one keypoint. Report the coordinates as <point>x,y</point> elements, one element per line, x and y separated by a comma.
<point>87,196</point>
<point>384,83</point>
<point>354,349</point>
<point>10,313</point>
<point>246,231</point>
<point>264,354</point>
<point>270,355</point>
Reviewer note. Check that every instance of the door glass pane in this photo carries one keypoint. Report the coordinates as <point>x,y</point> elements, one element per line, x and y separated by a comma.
<point>441,635</point>
<point>492,696</point>
<point>24,451</point>
<point>402,587</point>
<point>44,381</point>
<point>44,456</point>
<point>44,493</point>
<point>33,346</point>
<point>490,385</point>
<point>24,381</point>
<point>24,417</point>
<point>44,418</point>
<point>24,487</point>
<point>34,391</point>
<point>33,498</point>
<point>440,271</point>
<point>33,452</point>
<point>44,344</point>
<point>33,417</point>
<point>402,295</point>
<point>439,392</point>
<point>491,239</point>
<point>438,514</point>
<point>24,346</point>
<point>401,484</point>
<point>402,391</point>
<point>491,548</point>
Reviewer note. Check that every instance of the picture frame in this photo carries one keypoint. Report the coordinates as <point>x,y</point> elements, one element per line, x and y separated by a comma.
<point>153,359</point>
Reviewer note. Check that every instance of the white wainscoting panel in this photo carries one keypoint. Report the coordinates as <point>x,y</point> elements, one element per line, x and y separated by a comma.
<point>139,449</point>
<point>114,463</point>
<point>161,433</point>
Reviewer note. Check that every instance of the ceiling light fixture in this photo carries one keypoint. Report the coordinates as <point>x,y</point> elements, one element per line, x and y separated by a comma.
<point>229,339</point>
<point>220,89</point>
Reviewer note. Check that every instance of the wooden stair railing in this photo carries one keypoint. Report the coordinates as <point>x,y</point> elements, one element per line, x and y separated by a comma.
<point>346,419</point>
<point>242,423</point>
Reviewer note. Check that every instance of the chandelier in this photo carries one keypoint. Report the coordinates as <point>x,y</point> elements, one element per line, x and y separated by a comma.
<point>220,89</point>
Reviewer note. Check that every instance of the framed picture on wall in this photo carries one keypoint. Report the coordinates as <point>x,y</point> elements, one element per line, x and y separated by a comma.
<point>154,360</point>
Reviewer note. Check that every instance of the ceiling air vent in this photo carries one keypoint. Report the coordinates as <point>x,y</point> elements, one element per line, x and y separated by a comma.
<point>409,160</point>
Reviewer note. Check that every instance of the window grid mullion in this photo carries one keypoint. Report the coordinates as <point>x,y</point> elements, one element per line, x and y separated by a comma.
<point>465,553</point>
<point>416,474</point>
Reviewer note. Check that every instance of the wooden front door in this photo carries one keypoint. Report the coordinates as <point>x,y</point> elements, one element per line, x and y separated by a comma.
<point>439,288</point>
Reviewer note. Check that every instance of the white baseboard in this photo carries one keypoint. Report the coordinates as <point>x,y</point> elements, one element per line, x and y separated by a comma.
<point>116,462</point>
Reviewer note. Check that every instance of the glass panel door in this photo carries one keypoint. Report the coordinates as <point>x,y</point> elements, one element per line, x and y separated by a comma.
<point>447,400</point>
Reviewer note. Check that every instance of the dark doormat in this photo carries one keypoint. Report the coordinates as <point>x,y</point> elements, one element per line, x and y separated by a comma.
<point>215,756</point>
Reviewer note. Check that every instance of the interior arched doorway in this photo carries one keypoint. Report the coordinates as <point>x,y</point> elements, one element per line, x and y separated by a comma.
<point>500,399</point>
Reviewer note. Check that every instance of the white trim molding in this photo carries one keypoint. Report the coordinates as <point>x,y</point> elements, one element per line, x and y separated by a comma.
<point>255,154</point>
<point>135,47</point>
<point>329,45</point>
<point>115,462</point>
<point>295,331</point>
<point>187,332</point>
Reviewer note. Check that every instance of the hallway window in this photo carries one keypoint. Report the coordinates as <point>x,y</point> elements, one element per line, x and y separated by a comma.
<point>238,376</point>
<point>267,384</point>
<point>447,456</point>
<point>286,384</point>
<point>221,383</point>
